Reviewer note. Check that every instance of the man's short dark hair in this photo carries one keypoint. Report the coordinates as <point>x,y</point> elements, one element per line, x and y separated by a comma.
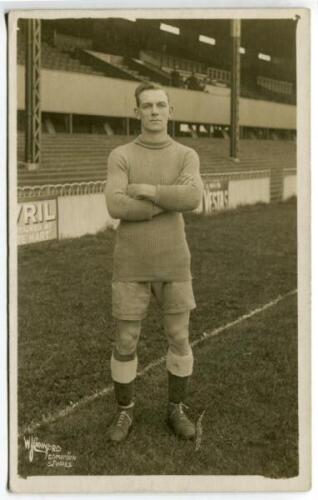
<point>148,86</point>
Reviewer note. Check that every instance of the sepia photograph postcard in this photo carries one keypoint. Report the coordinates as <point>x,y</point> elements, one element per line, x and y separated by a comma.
<point>159,250</point>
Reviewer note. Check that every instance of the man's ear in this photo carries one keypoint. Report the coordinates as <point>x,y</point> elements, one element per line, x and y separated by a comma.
<point>137,113</point>
<point>171,111</point>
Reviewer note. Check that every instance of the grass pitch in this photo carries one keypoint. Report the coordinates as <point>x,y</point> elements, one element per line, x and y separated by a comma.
<point>245,380</point>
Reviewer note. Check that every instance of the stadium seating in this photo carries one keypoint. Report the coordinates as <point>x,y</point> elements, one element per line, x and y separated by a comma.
<point>54,58</point>
<point>266,88</point>
<point>67,158</point>
<point>148,72</point>
<point>151,66</point>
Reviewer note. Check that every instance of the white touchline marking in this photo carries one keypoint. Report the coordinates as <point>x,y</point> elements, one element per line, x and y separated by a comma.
<point>258,310</point>
<point>53,417</point>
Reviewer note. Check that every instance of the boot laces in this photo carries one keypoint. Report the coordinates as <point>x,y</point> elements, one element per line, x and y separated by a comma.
<point>179,408</point>
<point>121,419</point>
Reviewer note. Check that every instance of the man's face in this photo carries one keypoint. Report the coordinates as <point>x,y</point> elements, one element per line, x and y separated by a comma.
<point>154,110</point>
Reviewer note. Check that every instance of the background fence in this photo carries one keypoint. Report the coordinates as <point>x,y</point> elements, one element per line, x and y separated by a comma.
<point>72,210</point>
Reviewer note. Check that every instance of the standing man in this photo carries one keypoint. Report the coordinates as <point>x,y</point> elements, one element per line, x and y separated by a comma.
<point>175,78</point>
<point>193,83</point>
<point>150,182</point>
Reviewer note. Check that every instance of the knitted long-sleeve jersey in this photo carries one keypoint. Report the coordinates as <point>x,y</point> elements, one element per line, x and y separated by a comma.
<point>152,247</point>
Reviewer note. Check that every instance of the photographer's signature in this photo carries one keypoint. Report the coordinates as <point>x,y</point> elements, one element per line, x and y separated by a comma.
<point>51,452</point>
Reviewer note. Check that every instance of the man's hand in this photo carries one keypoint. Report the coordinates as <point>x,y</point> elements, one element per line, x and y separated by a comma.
<point>142,191</point>
<point>157,210</point>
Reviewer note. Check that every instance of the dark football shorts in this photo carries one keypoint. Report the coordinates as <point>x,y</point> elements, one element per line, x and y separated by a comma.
<point>130,300</point>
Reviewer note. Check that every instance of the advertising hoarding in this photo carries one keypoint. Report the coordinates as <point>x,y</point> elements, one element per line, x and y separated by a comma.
<point>37,221</point>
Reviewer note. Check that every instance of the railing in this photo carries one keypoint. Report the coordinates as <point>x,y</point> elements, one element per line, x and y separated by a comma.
<point>237,175</point>
<point>93,187</point>
<point>75,188</point>
<point>278,86</point>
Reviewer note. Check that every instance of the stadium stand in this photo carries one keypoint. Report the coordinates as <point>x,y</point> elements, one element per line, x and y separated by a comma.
<point>151,65</point>
<point>83,157</point>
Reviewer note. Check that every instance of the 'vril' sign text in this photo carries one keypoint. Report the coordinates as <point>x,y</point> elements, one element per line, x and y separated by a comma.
<point>37,221</point>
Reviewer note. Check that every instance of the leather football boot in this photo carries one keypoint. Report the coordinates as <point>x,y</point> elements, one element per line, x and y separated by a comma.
<point>121,426</point>
<point>179,422</point>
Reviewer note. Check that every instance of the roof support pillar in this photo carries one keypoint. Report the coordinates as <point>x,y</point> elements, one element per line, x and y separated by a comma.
<point>235,87</point>
<point>32,94</point>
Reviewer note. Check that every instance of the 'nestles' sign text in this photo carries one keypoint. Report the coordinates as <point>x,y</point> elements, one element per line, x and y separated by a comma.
<point>37,221</point>
<point>215,196</point>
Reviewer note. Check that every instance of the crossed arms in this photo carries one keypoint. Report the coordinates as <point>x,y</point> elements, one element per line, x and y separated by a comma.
<point>139,202</point>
